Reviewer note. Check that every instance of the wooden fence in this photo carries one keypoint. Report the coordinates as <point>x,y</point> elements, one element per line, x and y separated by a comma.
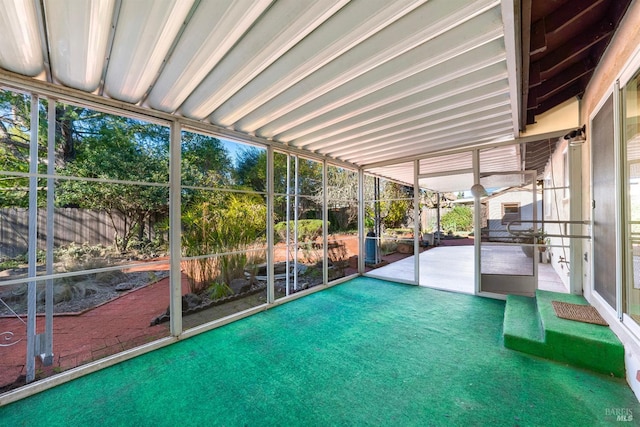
<point>429,217</point>
<point>69,225</point>
<point>87,226</point>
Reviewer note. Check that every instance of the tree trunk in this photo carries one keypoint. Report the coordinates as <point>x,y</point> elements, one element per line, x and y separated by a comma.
<point>64,135</point>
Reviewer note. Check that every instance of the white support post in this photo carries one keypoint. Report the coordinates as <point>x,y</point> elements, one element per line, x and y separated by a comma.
<point>534,198</point>
<point>270,245</point>
<point>32,240</point>
<point>437,237</point>
<point>361,218</point>
<point>175,227</point>
<point>47,356</point>
<point>325,227</point>
<point>416,221</point>
<point>288,228</point>
<point>619,168</point>
<point>575,214</point>
<point>477,225</point>
<point>296,202</point>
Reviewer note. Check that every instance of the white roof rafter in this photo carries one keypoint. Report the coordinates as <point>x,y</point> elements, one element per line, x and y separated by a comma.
<point>364,82</point>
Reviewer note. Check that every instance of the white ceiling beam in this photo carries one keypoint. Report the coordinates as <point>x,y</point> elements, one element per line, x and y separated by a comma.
<point>453,170</point>
<point>215,27</point>
<point>347,28</point>
<point>512,43</point>
<point>426,132</point>
<point>285,24</point>
<point>20,43</point>
<point>485,107</point>
<point>419,142</point>
<point>391,101</point>
<point>418,70</point>
<point>144,35</point>
<point>423,24</point>
<point>465,103</point>
<point>428,64</point>
<point>484,144</point>
<point>110,39</point>
<point>78,35</point>
<point>464,141</point>
<point>494,115</point>
<point>444,163</point>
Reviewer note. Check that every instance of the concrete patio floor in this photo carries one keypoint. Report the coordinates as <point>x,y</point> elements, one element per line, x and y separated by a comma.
<point>451,268</point>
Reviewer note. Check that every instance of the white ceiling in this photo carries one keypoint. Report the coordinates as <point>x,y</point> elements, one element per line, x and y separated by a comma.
<point>368,82</point>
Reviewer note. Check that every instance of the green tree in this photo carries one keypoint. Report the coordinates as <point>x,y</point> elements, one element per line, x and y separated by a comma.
<point>15,122</point>
<point>221,222</point>
<point>460,218</point>
<point>205,162</point>
<point>250,173</point>
<point>396,204</point>
<point>120,149</point>
<point>251,169</point>
<point>15,137</point>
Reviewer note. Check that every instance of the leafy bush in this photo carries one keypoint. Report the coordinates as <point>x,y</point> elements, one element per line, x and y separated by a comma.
<point>460,218</point>
<point>219,290</point>
<point>308,230</point>
<point>397,212</point>
<point>369,223</point>
<point>69,290</point>
<point>146,247</point>
<point>76,257</point>
<point>216,224</point>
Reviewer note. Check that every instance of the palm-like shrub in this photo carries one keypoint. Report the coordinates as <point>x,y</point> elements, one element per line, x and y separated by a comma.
<point>227,224</point>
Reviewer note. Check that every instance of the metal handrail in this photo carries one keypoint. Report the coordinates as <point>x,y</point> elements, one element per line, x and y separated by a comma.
<point>538,234</point>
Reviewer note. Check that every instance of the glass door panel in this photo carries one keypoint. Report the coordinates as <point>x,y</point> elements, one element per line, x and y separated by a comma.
<point>632,153</point>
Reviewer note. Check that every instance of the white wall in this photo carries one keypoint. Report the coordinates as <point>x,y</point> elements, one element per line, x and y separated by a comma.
<point>494,211</point>
<point>556,207</point>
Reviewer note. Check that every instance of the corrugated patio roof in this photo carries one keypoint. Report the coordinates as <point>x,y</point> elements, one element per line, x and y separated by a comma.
<point>361,81</point>
<point>368,82</point>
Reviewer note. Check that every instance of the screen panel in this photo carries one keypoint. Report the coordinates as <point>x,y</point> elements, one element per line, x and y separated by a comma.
<point>604,212</point>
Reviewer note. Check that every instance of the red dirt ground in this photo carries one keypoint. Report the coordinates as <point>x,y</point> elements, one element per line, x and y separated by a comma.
<point>110,328</point>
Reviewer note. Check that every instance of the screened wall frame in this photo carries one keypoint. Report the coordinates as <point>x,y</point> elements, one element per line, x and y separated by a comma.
<point>298,201</point>
<point>372,223</point>
<point>176,126</point>
<point>40,345</point>
<point>342,213</point>
<point>224,199</point>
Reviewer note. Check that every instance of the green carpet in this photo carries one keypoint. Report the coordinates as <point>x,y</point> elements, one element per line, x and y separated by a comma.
<point>366,352</point>
<point>531,326</point>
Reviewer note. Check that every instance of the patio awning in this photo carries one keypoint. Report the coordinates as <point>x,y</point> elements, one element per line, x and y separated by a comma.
<point>361,81</point>
<point>368,82</point>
